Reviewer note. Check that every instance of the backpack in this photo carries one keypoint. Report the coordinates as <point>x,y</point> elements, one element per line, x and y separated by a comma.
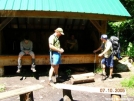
<point>115,46</point>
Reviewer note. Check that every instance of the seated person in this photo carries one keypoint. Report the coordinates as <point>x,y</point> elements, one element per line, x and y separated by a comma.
<point>26,49</point>
<point>72,44</point>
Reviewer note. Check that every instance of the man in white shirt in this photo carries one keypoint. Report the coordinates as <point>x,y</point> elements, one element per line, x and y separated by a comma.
<point>107,61</point>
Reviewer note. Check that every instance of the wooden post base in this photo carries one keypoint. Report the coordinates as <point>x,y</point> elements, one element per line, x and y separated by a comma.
<point>1,71</point>
<point>27,97</point>
<point>67,96</point>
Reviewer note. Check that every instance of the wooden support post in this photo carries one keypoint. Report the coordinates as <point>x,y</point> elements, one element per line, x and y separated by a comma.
<point>116,97</point>
<point>1,71</point>
<point>27,97</point>
<point>67,96</point>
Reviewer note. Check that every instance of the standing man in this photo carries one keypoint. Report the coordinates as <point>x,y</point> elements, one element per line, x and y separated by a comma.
<point>26,47</point>
<point>107,61</point>
<point>55,53</point>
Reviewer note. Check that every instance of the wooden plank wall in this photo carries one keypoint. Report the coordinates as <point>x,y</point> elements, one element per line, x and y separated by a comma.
<point>88,40</point>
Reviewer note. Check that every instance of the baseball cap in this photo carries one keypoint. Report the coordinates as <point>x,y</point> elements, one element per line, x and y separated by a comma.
<point>103,36</point>
<point>60,30</point>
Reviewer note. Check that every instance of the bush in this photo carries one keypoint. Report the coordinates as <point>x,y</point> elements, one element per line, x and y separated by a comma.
<point>2,88</point>
<point>98,70</point>
<point>130,50</point>
<point>128,82</point>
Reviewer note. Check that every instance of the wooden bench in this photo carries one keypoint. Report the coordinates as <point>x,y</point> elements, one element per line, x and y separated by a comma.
<point>11,60</point>
<point>67,96</point>
<point>25,93</point>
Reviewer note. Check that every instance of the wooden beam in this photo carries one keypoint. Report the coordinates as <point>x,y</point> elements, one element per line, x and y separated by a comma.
<point>58,20</point>
<point>72,15</point>
<point>80,23</point>
<point>72,24</point>
<point>18,23</point>
<point>86,24</point>
<point>5,22</point>
<point>20,91</point>
<point>102,90</point>
<point>65,23</point>
<point>44,59</point>
<point>96,24</point>
<point>49,24</point>
<point>103,26</point>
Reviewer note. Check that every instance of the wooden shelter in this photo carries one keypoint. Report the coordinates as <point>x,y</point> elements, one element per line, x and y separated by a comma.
<point>86,19</point>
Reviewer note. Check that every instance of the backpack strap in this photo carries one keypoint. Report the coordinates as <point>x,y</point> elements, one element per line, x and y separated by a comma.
<point>55,40</point>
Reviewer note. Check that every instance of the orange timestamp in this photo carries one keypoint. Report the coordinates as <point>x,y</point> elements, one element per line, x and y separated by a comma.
<point>113,90</point>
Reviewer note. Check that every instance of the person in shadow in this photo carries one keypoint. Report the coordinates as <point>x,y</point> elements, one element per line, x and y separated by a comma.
<point>72,44</point>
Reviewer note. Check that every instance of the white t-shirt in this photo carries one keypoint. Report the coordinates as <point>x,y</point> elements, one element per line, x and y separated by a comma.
<point>108,45</point>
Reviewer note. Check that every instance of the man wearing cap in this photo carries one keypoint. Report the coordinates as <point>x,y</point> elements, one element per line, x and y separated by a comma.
<point>107,61</point>
<point>55,54</point>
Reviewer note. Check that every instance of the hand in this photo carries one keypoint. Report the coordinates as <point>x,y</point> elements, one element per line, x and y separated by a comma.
<point>94,51</point>
<point>26,52</point>
<point>100,55</point>
<point>61,50</point>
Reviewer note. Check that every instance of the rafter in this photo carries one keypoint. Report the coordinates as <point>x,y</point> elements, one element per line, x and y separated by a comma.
<point>5,22</point>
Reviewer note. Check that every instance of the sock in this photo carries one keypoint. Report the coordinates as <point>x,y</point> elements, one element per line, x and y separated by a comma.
<point>56,76</point>
<point>33,61</point>
<point>19,62</point>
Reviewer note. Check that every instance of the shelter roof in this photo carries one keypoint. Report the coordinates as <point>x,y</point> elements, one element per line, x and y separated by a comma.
<point>92,9</point>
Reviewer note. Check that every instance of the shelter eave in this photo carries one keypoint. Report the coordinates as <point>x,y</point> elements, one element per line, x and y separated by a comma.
<point>53,14</point>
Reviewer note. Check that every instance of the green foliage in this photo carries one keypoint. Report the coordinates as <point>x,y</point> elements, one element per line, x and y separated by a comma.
<point>130,50</point>
<point>128,82</point>
<point>98,70</point>
<point>2,88</point>
<point>123,29</point>
<point>68,72</point>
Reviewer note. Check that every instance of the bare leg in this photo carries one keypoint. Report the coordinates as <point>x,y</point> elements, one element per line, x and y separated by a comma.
<point>51,71</point>
<point>111,71</point>
<point>56,69</point>
<point>103,69</point>
<point>19,59</point>
<point>19,63</point>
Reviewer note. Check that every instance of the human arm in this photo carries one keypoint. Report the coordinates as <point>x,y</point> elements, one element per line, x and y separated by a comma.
<point>100,48</point>
<point>72,42</point>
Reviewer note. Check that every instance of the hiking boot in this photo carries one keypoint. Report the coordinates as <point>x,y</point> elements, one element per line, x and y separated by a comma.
<point>33,65</point>
<point>110,77</point>
<point>18,71</point>
<point>59,80</point>
<point>33,69</point>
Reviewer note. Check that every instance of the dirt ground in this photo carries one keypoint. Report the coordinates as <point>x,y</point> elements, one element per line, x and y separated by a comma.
<point>11,80</point>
